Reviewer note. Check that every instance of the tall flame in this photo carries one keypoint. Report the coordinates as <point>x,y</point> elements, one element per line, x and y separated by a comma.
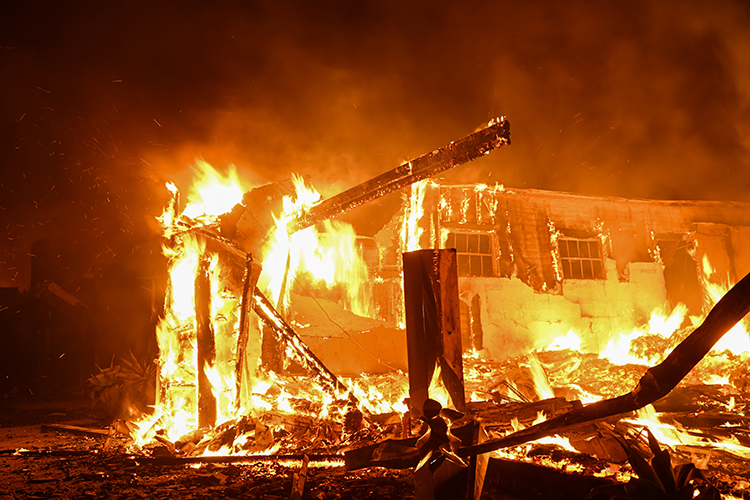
<point>412,230</point>
<point>327,258</point>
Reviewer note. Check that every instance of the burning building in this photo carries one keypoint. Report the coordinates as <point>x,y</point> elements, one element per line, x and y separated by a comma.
<point>525,320</point>
<point>509,297</point>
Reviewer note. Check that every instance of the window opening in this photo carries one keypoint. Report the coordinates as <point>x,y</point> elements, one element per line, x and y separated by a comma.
<point>474,253</point>
<point>581,259</point>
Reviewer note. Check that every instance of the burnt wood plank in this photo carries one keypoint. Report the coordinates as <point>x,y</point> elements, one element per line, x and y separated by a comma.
<point>315,367</point>
<point>466,149</point>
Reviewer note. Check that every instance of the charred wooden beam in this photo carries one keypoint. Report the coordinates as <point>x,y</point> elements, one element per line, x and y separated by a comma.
<point>204,344</point>
<point>216,459</point>
<point>252,272</point>
<point>271,318</point>
<point>272,348</point>
<point>471,147</point>
<point>390,453</point>
<point>656,383</point>
<point>75,429</point>
<point>433,326</point>
<point>249,223</point>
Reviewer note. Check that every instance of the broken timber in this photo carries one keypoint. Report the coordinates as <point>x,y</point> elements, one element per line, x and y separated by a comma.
<point>656,383</point>
<point>75,429</point>
<point>433,327</point>
<point>271,318</point>
<point>471,147</point>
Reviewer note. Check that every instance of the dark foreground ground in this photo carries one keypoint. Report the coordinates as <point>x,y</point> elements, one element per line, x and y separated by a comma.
<point>42,464</point>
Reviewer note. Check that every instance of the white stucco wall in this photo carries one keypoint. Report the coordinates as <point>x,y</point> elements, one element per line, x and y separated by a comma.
<point>515,319</point>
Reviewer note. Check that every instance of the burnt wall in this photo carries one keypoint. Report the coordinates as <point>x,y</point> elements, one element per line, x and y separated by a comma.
<point>651,255</point>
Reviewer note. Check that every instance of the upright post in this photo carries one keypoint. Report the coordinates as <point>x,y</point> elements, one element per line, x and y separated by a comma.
<point>433,326</point>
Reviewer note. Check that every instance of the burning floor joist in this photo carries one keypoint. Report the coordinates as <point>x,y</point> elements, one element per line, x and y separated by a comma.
<point>468,347</point>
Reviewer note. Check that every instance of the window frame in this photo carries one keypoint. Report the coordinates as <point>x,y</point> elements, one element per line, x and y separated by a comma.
<point>588,267</point>
<point>480,253</point>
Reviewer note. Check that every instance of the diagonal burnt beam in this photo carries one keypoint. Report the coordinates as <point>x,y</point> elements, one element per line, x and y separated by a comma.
<point>496,134</point>
<point>656,383</point>
<point>271,318</point>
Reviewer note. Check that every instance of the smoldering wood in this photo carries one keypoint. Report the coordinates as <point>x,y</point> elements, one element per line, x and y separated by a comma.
<point>498,417</point>
<point>402,453</point>
<point>391,453</point>
<point>715,459</point>
<point>272,355</point>
<point>205,345</point>
<point>320,373</point>
<point>471,147</point>
<point>433,326</point>
<point>405,425</point>
<point>252,273</point>
<point>249,223</point>
<point>656,383</point>
<point>167,444</point>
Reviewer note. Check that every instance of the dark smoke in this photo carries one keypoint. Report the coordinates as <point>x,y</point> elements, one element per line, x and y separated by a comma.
<point>104,101</point>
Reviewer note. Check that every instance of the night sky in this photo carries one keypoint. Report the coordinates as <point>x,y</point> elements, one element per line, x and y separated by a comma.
<point>102,102</point>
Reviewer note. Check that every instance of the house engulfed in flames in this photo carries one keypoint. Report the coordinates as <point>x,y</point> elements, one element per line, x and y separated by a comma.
<point>277,339</point>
